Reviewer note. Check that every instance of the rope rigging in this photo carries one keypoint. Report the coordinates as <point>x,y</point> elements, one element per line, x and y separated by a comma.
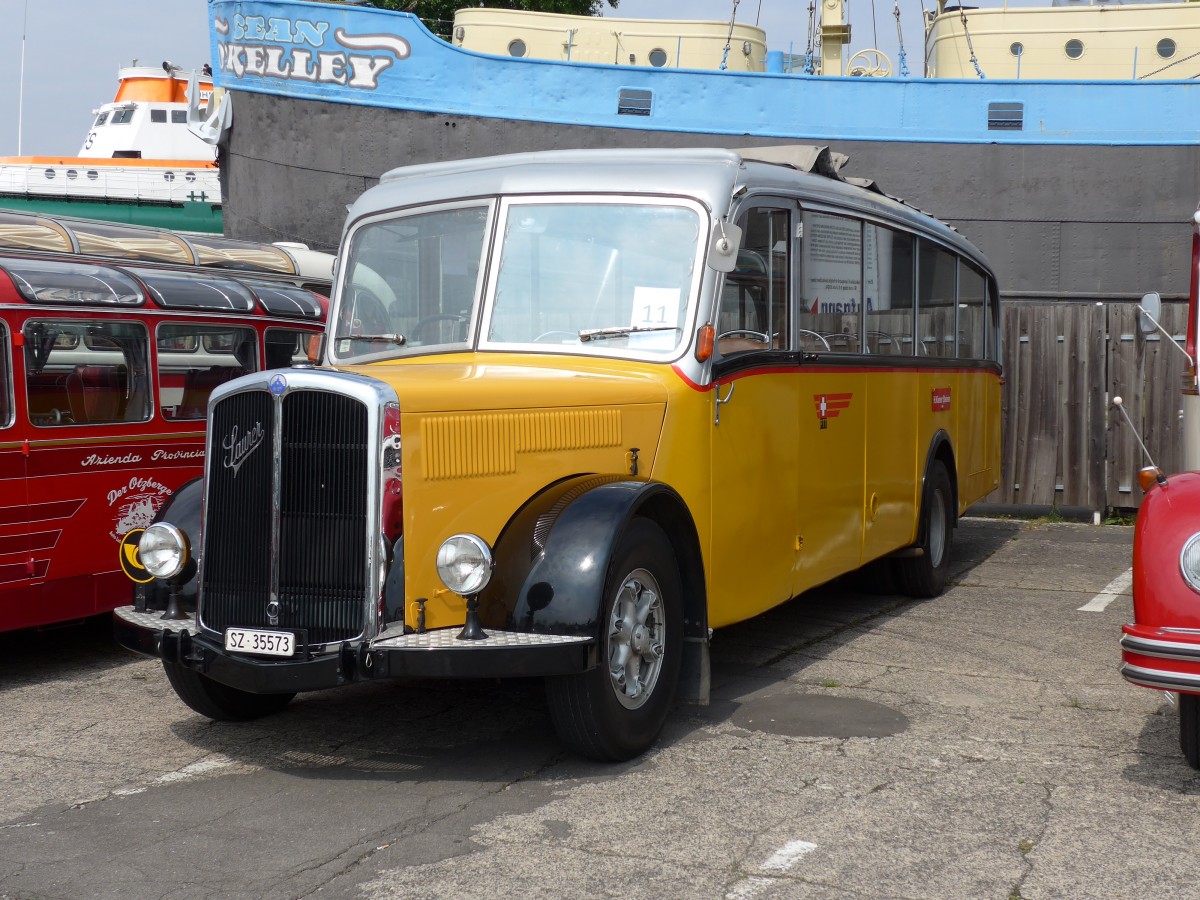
<point>812,25</point>
<point>900,37</point>
<point>729,37</point>
<point>1173,62</point>
<point>975,62</point>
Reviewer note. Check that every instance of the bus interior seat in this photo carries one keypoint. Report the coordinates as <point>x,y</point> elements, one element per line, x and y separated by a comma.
<point>96,393</point>
<point>198,384</point>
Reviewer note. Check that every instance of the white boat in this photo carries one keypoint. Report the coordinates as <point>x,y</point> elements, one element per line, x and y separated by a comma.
<point>139,161</point>
<point>1091,40</point>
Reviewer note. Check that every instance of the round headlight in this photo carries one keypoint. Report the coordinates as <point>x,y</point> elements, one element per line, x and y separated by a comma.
<point>464,564</point>
<point>164,550</point>
<point>1189,562</point>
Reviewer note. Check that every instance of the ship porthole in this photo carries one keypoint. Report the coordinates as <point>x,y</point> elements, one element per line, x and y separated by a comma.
<point>658,57</point>
<point>189,177</point>
<point>49,173</point>
<point>1074,48</point>
<point>1166,48</point>
<point>516,48</point>
<point>168,176</point>
<point>72,174</point>
<point>92,174</point>
<point>1016,48</point>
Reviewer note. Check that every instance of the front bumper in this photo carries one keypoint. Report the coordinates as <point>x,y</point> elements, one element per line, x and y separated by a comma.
<point>1159,657</point>
<point>431,654</point>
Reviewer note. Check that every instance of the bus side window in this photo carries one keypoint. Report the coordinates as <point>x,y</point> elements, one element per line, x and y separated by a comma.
<point>753,311</point>
<point>46,383</point>
<point>972,312</point>
<point>285,347</point>
<point>831,283</point>
<point>889,266</point>
<point>194,359</point>
<point>936,291</point>
<point>86,372</point>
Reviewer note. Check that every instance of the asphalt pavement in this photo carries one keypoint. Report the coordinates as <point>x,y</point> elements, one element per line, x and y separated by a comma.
<point>859,745</point>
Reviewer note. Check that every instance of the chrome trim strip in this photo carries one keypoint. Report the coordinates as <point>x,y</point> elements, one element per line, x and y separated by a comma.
<point>1157,678</point>
<point>447,639</point>
<point>276,515</point>
<point>374,395</point>
<point>1162,649</point>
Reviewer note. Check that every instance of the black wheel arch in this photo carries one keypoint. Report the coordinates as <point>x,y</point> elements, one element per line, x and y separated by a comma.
<point>940,450</point>
<point>181,509</point>
<point>552,557</point>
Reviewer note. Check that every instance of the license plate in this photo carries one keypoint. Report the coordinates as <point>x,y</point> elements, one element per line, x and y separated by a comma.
<point>265,643</point>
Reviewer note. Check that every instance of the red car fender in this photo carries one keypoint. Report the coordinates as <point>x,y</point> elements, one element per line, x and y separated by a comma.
<point>1169,515</point>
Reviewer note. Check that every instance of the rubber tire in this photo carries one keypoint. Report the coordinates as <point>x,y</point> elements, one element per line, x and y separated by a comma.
<point>221,702</point>
<point>1189,728</point>
<point>917,576</point>
<point>587,715</point>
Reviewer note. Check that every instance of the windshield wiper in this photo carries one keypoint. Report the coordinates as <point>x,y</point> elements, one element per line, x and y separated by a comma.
<point>398,339</point>
<point>601,334</point>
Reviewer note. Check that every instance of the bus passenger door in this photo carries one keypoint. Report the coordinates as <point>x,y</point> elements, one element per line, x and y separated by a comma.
<point>755,487</point>
<point>833,405</point>
<point>897,438</point>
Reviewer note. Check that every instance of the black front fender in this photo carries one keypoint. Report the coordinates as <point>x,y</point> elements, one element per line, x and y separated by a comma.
<point>183,511</point>
<point>554,558</point>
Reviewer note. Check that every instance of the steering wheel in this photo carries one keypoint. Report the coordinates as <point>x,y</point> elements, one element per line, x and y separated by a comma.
<point>546,335</point>
<point>761,337</point>
<point>870,63</point>
<point>433,320</point>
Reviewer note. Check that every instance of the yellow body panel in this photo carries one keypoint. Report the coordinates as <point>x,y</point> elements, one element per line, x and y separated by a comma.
<point>809,472</point>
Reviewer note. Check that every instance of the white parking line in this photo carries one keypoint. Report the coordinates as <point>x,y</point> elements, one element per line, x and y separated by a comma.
<point>781,860</point>
<point>785,857</point>
<point>1118,587</point>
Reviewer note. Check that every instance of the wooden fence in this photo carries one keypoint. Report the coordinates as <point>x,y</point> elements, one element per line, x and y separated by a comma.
<point>1064,443</point>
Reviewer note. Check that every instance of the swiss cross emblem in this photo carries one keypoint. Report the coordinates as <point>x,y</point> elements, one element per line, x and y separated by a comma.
<point>829,405</point>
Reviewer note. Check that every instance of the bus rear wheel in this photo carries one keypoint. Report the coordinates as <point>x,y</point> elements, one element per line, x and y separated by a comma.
<point>221,702</point>
<point>615,711</point>
<point>925,575</point>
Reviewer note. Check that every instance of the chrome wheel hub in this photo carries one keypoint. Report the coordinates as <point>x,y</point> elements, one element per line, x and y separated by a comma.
<point>635,638</point>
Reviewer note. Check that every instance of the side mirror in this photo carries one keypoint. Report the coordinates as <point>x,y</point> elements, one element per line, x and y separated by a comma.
<point>723,246</point>
<point>1149,310</point>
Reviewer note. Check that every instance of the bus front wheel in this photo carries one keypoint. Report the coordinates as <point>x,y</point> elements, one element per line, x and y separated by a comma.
<point>925,575</point>
<point>219,701</point>
<point>616,710</point>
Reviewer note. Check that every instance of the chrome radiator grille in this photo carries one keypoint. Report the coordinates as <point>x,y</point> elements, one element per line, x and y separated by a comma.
<point>318,568</point>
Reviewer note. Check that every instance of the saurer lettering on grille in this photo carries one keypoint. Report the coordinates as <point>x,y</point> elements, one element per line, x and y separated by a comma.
<point>238,449</point>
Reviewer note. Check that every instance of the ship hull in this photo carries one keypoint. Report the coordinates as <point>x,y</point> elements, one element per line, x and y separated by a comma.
<point>1073,189</point>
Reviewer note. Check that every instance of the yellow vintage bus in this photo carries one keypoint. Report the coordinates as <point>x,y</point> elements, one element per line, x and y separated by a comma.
<point>575,410</point>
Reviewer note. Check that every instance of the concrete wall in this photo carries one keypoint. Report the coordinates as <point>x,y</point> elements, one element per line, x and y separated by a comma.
<point>1056,222</point>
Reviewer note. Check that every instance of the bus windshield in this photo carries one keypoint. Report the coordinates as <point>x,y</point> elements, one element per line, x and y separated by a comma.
<point>595,276</point>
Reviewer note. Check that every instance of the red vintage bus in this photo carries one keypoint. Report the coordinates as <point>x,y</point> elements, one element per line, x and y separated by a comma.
<point>105,370</point>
